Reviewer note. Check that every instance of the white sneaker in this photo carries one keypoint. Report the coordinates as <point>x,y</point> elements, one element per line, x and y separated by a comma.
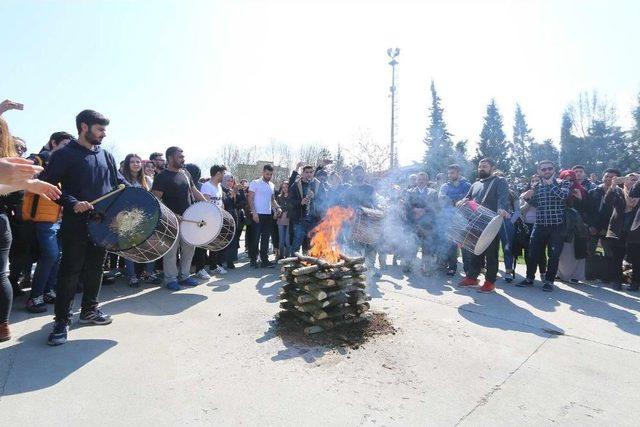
<point>202,274</point>
<point>220,270</point>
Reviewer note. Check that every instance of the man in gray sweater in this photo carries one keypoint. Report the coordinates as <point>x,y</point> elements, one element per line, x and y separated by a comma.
<point>492,192</point>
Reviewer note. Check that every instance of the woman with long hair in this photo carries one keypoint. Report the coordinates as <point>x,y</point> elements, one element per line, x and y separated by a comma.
<point>134,174</point>
<point>16,178</point>
<point>284,243</point>
<point>149,169</point>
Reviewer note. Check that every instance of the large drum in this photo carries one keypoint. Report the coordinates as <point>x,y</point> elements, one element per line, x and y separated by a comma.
<point>134,225</point>
<point>367,227</point>
<point>474,227</point>
<point>205,225</point>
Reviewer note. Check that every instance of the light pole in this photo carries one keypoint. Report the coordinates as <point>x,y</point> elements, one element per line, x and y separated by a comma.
<point>393,54</point>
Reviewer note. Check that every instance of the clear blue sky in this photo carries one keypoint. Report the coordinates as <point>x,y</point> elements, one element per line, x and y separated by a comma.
<point>202,74</point>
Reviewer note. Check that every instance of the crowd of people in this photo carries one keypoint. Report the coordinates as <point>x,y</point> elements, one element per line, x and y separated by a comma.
<point>557,220</point>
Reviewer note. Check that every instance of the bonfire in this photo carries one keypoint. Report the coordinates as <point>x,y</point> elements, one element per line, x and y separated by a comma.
<point>327,288</point>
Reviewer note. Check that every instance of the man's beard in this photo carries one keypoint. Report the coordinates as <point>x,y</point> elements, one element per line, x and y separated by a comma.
<point>484,174</point>
<point>93,140</point>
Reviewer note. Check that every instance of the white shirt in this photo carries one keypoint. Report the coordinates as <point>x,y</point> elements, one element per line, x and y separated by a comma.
<point>263,193</point>
<point>214,192</point>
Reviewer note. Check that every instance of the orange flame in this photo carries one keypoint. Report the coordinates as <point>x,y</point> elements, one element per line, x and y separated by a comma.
<point>324,236</point>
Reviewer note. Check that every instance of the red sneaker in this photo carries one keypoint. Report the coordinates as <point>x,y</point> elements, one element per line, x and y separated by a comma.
<point>468,281</point>
<point>487,287</point>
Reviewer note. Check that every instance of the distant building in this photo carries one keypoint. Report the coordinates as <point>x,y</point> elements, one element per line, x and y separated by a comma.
<point>251,172</point>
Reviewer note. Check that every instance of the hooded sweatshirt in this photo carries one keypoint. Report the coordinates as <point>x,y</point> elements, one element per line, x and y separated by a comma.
<point>84,174</point>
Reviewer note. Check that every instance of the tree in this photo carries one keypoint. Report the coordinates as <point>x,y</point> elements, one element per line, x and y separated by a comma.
<point>545,151</point>
<point>571,147</point>
<point>439,151</point>
<point>595,139</point>
<point>493,141</point>
<point>339,162</point>
<point>631,156</point>
<point>522,141</point>
<point>369,153</point>
<point>461,157</point>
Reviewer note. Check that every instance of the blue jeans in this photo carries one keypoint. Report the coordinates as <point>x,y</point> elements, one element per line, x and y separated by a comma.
<point>45,277</point>
<point>130,270</point>
<point>507,234</point>
<point>300,230</point>
<point>285,242</point>
<point>551,236</point>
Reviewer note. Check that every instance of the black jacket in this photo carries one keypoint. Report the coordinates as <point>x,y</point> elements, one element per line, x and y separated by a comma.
<point>84,174</point>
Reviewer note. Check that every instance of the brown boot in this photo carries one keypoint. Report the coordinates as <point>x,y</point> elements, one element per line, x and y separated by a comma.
<point>5,334</point>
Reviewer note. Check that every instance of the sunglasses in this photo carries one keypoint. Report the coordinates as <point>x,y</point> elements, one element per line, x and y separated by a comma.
<point>546,169</point>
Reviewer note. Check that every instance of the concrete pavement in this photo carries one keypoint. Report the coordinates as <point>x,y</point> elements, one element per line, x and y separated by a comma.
<point>207,356</point>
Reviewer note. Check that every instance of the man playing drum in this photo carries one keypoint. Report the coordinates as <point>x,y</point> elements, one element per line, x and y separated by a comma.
<point>492,192</point>
<point>86,172</point>
<point>174,186</point>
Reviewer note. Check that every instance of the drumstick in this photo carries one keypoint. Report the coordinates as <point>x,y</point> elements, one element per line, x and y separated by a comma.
<point>109,194</point>
<point>200,223</point>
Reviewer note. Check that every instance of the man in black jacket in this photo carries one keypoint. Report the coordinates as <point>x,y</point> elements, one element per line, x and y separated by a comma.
<point>85,172</point>
<point>492,192</point>
<point>303,202</point>
<point>599,213</point>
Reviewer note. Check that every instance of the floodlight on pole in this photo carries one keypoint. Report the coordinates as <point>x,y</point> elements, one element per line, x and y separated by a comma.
<point>393,54</point>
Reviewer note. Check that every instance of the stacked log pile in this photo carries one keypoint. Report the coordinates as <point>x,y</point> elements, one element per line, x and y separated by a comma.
<point>322,294</point>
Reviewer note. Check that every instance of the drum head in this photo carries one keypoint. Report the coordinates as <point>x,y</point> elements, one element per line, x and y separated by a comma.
<point>125,220</point>
<point>204,233</point>
<point>490,232</point>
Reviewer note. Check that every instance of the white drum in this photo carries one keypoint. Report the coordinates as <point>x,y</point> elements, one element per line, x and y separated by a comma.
<point>207,226</point>
<point>474,227</point>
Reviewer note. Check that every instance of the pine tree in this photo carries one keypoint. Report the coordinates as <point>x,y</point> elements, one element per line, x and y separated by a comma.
<point>545,151</point>
<point>570,145</point>
<point>493,143</point>
<point>462,158</point>
<point>631,157</point>
<point>439,151</point>
<point>522,141</point>
<point>339,160</point>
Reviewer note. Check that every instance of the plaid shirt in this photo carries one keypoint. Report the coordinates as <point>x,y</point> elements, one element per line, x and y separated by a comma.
<point>550,202</point>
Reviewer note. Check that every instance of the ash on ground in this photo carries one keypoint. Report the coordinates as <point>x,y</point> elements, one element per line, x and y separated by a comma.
<point>371,325</point>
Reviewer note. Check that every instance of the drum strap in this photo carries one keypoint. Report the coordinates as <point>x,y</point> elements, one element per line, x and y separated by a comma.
<point>113,171</point>
<point>488,190</point>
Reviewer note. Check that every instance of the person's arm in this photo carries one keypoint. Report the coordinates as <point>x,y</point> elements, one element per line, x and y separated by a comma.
<point>466,198</point>
<point>54,174</point>
<point>197,194</point>
<point>252,206</point>
<point>158,187</point>
<point>7,105</point>
<point>502,194</point>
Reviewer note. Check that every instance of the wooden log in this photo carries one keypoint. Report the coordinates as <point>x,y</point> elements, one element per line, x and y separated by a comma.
<point>291,260</point>
<point>312,260</point>
<point>298,297</point>
<point>352,260</point>
<point>359,268</point>
<point>302,279</point>
<point>288,268</point>
<point>332,313</point>
<point>305,270</point>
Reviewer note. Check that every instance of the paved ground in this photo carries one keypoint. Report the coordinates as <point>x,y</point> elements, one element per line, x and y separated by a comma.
<point>207,356</point>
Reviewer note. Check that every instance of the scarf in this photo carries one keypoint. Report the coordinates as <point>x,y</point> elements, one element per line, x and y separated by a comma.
<point>571,175</point>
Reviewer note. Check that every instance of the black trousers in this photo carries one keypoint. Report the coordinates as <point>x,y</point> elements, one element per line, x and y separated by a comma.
<point>261,232</point>
<point>488,259</point>
<point>631,251</point>
<point>6,291</point>
<point>81,261</point>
